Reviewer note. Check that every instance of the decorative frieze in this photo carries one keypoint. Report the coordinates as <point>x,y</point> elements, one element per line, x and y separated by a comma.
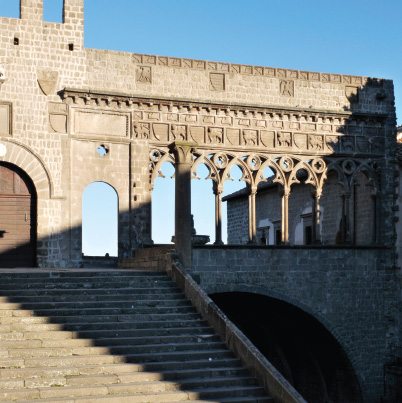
<point>270,129</point>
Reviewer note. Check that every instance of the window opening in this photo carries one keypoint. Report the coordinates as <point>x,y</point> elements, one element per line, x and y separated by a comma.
<point>278,232</point>
<point>53,11</point>
<point>278,237</point>
<point>308,235</point>
<point>99,220</point>
<point>102,150</point>
<point>307,220</point>
<point>263,235</point>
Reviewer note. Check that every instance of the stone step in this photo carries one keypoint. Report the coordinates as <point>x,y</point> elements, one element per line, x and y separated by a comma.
<point>102,334</point>
<point>98,350</point>
<point>121,325</point>
<point>140,358</point>
<point>87,285</point>
<point>202,368</point>
<point>74,273</point>
<point>212,394</point>
<point>128,398</point>
<point>72,378</point>
<point>84,326</point>
<point>89,386</point>
<point>128,309</point>
<point>142,293</point>
<point>138,279</point>
<point>58,298</point>
<point>121,303</point>
<point>66,340</point>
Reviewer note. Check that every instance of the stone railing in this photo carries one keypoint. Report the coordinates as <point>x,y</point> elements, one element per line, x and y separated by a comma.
<point>265,373</point>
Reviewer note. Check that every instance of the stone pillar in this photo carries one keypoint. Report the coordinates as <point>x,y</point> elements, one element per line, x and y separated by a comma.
<point>315,215</point>
<point>285,216</point>
<point>218,213</point>
<point>183,153</point>
<point>345,216</point>
<point>31,10</point>
<point>251,217</point>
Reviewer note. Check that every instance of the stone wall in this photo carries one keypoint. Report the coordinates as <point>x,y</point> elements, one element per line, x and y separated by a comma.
<point>345,289</point>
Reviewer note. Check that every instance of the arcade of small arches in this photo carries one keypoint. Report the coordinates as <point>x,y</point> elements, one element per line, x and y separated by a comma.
<point>349,174</point>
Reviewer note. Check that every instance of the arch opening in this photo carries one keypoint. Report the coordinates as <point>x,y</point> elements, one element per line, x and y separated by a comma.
<point>296,343</point>
<point>99,220</point>
<point>163,201</point>
<point>235,216</point>
<point>18,218</point>
<point>203,203</point>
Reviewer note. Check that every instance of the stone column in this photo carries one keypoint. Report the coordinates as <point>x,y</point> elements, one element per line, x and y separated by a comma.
<point>285,216</point>
<point>183,154</point>
<point>345,216</point>
<point>315,215</point>
<point>251,217</point>
<point>375,216</point>
<point>218,213</point>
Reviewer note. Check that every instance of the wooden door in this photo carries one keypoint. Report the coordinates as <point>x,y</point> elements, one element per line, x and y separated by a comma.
<point>17,218</point>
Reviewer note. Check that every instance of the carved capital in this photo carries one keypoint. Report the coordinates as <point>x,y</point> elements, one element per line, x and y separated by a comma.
<point>217,188</point>
<point>183,151</point>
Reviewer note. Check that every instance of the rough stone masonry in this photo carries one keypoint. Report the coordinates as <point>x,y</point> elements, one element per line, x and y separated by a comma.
<point>61,102</point>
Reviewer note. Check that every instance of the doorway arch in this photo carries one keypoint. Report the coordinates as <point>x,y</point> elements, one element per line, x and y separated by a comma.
<point>100,220</point>
<point>296,343</point>
<point>18,218</point>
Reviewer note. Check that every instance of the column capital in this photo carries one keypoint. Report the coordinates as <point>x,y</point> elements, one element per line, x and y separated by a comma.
<point>315,193</point>
<point>217,188</point>
<point>183,151</point>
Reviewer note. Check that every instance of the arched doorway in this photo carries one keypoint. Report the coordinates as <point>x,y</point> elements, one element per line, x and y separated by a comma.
<point>296,343</point>
<point>18,218</point>
<point>100,220</point>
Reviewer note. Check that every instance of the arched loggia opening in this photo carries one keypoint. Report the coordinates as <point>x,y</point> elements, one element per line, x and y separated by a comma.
<point>100,220</point>
<point>163,205</point>
<point>268,210</point>
<point>203,203</point>
<point>296,343</point>
<point>235,214</point>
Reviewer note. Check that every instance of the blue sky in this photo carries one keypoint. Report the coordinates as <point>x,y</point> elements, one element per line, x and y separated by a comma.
<point>347,37</point>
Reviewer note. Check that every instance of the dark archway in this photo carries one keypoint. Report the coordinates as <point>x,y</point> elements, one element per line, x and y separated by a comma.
<point>18,218</point>
<point>296,343</point>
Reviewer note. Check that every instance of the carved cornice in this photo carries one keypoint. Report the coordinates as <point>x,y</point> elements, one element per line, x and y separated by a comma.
<point>121,100</point>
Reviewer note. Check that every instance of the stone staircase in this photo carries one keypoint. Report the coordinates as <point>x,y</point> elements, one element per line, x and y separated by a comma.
<point>111,336</point>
